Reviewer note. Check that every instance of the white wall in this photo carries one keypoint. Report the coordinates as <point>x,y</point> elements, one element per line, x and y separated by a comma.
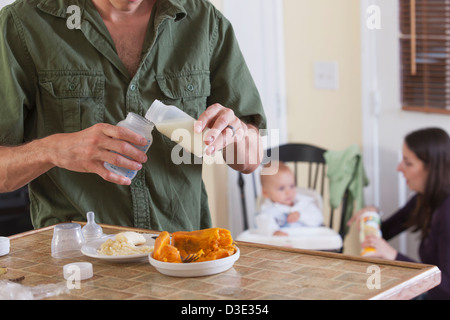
<point>386,124</point>
<point>324,30</point>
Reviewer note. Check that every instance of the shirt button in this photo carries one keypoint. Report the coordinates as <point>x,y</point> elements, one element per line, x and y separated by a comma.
<point>133,87</point>
<point>190,87</point>
<point>72,86</point>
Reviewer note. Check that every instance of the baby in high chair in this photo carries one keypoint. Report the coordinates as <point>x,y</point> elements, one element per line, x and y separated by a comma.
<point>283,206</point>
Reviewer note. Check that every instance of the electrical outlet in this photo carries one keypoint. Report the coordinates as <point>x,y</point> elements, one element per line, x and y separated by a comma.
<point>326,75</point>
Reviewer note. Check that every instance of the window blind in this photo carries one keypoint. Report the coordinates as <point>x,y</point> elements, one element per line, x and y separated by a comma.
<point>425,55</point>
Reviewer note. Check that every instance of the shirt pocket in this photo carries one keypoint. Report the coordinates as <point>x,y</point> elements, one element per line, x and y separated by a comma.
<point>71,100</point>
<point>187,90</point>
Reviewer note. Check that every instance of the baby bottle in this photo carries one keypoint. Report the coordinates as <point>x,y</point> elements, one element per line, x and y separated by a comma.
<point>139,125</point>
<point>178,126</point>
<point>369,225</point>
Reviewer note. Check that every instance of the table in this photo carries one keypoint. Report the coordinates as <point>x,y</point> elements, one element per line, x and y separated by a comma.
<point>261,273</point>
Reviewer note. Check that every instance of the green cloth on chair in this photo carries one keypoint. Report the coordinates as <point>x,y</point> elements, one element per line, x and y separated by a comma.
<point>346,172</point>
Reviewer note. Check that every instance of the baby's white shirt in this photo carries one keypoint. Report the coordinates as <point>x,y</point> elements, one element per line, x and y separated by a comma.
<point>272,216</point>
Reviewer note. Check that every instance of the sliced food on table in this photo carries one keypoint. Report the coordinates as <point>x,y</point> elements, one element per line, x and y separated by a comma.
<point>194,246</point>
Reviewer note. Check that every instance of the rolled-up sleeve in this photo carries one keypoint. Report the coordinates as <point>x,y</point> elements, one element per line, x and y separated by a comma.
<point>17,79</point>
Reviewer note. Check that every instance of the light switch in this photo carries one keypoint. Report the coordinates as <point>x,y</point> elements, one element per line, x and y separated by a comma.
<point>326,75</point>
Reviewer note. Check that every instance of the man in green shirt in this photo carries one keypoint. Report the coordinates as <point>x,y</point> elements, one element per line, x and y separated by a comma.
<point>71,69</point>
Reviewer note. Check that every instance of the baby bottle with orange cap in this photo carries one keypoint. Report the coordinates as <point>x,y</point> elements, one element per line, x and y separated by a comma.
<point>370,224</point>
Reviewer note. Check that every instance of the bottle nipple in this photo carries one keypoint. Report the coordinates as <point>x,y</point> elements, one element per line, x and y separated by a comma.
<point>91,230</point>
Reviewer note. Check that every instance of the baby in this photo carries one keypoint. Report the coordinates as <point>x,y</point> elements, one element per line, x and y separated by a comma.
<point>283,206</point>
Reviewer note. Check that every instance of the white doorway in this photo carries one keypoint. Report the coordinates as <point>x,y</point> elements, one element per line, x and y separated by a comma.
<point>258,25</point>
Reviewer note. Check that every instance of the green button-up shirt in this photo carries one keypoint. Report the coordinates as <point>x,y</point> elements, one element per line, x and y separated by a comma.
<point>56,78</point>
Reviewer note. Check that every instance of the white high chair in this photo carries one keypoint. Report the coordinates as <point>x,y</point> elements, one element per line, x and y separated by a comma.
<point>324,238</point>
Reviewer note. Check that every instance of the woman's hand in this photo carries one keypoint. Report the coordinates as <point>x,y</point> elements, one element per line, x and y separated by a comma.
<point>357,216</point>
<point>382,247</point>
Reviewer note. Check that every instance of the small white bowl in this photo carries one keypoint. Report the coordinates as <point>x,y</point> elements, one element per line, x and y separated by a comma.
<point>194,269</point>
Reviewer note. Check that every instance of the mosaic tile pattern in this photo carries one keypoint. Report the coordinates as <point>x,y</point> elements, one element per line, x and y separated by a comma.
<point>260,273</point>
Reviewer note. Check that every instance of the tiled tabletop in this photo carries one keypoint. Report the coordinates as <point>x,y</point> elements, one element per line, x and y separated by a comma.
<point>262,272</point>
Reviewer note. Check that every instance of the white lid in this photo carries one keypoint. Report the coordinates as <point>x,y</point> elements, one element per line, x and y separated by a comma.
<point>83,269</point>
<point>4,246</point>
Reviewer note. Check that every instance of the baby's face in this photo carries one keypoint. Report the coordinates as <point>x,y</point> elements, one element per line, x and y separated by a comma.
<point>281,188</point>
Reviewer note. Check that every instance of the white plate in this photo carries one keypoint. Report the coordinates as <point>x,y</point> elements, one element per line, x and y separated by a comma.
<point>194,269</point>
<point>91,247</point>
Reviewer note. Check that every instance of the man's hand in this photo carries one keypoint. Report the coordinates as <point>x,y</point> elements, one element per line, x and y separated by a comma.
<point>87,150</point>
<point>244,139</point>
<point>217,118</point>
<point>83,151</point>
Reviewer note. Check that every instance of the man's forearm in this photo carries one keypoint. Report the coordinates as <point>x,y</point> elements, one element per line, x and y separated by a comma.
<point>21,164</point>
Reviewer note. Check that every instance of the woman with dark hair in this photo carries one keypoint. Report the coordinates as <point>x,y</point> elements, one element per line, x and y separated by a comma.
<point>426,168</point>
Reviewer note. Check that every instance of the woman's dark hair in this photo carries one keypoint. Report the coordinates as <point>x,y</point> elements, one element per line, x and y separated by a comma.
<point>432,147</point>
